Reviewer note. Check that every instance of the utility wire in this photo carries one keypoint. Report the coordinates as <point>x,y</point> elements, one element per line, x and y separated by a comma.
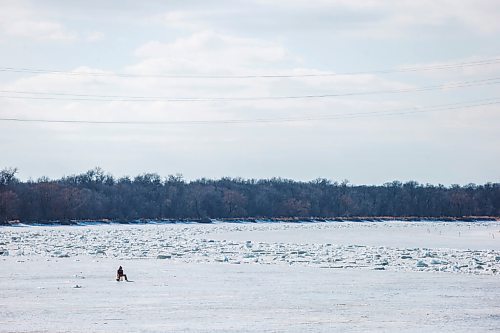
<point>117,98</point>
<point>406,111</point>
<point>459,65</point>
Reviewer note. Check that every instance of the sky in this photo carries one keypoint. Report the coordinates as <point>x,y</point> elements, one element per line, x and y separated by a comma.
<point>368,91</point>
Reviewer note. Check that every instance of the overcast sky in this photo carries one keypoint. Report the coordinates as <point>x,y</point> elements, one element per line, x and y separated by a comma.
<point>380,125</point>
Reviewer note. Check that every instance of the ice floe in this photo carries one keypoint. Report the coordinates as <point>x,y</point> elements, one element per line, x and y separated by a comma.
<point>447,247</point>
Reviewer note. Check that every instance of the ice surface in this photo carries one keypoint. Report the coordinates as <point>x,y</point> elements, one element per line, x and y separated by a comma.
<point>448,247</point>
<point>314,277</point>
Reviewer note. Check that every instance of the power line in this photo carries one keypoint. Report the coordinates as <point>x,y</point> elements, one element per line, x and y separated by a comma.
<point>406,111</point>
<point>38,95</point>
<point>485,62</point>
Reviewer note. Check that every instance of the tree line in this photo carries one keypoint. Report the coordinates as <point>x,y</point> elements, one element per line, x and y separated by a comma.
<point>97,195</point>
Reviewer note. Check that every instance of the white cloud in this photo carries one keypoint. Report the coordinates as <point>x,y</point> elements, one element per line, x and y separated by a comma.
<point>200,53</point>
<point>209,52</point>
<point>39,30</point>
<point>388,18</point>
<point>19,19</point>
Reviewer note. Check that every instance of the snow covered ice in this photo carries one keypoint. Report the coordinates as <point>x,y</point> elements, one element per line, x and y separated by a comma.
<point>252,277</point>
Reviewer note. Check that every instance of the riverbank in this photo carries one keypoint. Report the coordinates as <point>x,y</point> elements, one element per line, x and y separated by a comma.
<point>262,219</point>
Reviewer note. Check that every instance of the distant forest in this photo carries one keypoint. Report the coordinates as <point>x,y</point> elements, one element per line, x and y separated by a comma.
<point>97,195</point>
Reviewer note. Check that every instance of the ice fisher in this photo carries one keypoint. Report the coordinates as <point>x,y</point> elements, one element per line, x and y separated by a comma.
<point>119,274</point>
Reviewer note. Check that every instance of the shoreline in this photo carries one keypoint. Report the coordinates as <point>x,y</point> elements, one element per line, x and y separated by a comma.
<point>258,219</point>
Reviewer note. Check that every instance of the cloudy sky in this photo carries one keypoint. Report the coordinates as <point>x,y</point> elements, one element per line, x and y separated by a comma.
<point>370,91</point>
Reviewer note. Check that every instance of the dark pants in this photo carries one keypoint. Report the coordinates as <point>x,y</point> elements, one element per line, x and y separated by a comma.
<point>119,277</point>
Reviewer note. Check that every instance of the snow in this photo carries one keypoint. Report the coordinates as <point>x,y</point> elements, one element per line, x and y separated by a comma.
<point>286,277</point>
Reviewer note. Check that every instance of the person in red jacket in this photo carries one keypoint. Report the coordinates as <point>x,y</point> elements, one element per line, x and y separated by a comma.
<point>119,274</point>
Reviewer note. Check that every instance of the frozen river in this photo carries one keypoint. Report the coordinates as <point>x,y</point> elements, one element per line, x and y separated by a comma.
<point>312,277</point>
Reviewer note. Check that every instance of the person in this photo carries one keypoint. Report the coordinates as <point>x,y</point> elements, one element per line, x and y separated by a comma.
<point>119,274</point>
